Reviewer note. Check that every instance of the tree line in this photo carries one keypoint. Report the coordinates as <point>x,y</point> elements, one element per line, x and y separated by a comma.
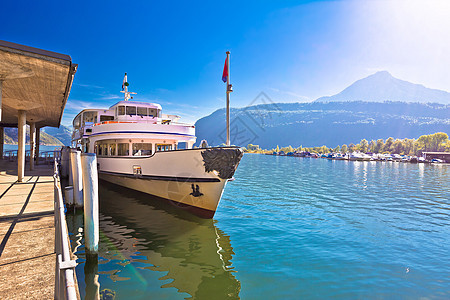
<point>436,142</point>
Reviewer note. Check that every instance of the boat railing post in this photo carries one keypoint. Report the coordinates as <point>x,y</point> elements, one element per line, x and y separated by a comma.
<point>90,195</point>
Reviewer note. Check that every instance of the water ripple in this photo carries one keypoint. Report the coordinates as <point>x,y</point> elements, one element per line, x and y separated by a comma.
<point>316,228</point>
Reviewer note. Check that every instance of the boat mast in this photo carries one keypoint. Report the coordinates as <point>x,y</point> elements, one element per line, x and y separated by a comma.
<point>125,84</point>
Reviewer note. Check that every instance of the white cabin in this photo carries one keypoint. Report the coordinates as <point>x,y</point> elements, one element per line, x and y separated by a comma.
<point>130,128</point>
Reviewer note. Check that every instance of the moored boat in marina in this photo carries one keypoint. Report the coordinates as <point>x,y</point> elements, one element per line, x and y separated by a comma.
<point>141,148</point>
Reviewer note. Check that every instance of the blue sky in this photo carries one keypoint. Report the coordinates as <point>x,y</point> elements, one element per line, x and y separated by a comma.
<point>174,51</point>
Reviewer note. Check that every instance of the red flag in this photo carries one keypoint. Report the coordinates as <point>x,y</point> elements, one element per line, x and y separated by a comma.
<point>225,71</point>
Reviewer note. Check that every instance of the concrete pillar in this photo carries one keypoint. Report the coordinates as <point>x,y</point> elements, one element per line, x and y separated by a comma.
<point>90,196</point>
<point>2,140</point>
<point>32,144</point>
<point>38,141</point>
<point>75,161</point>
<point>22,126</point>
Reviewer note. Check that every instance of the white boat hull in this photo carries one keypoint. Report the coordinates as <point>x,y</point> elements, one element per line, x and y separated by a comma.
<point>190,179</point>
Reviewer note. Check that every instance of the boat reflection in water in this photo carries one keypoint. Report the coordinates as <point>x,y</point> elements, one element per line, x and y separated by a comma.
<point>150,249</point>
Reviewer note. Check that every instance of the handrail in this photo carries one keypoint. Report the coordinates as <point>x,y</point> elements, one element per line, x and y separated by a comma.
<point>65,266</point>
<point>10,154</point>
<point>159,122</point>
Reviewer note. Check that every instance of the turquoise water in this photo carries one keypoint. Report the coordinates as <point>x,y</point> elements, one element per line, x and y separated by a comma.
<point>286,228</point>
<point>7,147</point>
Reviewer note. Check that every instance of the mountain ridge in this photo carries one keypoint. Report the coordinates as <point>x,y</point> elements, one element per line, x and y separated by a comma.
<point>382,86</point>
<point>320,123</point>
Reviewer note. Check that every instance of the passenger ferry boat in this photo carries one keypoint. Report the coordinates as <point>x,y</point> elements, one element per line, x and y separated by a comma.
<point>141,148</point>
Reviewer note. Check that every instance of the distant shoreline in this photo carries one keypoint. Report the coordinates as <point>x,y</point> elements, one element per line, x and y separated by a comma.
<point>60,145</point>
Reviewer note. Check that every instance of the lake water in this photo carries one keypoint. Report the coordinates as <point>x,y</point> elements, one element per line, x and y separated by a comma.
<point>7,147</point>
<point>286,228</point>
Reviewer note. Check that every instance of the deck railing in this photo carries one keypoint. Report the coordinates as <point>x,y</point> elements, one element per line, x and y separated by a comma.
<point>44,156</point>
<point>50,156</point>
<point>11,155</point>
<point>65,287</point>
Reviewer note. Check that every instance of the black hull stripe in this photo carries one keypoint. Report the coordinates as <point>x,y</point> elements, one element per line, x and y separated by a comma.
<point>163,178</point>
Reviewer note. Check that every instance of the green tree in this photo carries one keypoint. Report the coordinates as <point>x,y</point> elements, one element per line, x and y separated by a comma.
<point>363,146</point>
<point>447,146</point>
<point>388,145</point>
<point>252,147</point>
<point>372,146</point>
<point>408,146</point>
<point>438,141</point>
<point>379,146</point>
<point>344,149</point>
<point>397,147</point>
<point>337,149</point>
<point>351,147</point>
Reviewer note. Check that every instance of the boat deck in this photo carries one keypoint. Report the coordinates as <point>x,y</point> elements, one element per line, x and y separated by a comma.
<point>27,256</point>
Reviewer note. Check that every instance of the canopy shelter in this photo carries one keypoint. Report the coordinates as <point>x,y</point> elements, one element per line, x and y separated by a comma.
<point>34,87</point>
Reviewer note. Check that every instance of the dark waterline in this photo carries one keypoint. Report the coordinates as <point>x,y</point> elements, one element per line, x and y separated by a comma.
<point>286,228</point>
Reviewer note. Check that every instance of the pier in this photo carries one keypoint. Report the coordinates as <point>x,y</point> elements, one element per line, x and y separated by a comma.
<point>27,256</point>
<point>35,258</point>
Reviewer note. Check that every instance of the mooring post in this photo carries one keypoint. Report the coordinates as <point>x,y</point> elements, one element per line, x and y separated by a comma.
<point>90,195</point>
<point>65,162</point>
<point>75,161</point>
<point>68,196</point>
<point>69,163</point>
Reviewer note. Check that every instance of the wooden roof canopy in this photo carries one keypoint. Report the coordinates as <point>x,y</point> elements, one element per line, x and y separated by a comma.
<point>36,81</point>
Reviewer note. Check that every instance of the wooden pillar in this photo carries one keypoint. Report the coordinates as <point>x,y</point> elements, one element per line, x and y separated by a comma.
<point>22,128</point>
<point>32,144</point>
<point>2,140</point>
<point>38,140</point>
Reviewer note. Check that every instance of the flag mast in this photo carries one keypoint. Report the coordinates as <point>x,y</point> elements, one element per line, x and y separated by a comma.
<point>229,90</point>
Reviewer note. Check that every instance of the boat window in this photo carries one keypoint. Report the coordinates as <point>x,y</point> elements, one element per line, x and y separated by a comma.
<point>123,149</point>
<point>90,117</point>
<point>182,145</point>
<point>105,149</point>
<point>142,111</point>
<point>104,118</point>
<point>131,110</point>
<point>76,122</point>
<point>112,149</point>
<point>101,149</point>
<point>121,110</point>
<point>151,112</point>
<point>142,149</point>
<point>163,147</point>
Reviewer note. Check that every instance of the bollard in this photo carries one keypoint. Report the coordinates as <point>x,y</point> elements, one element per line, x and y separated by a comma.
<point>75,161</point>
<point>69,170</point>
<point>90,195</point>
<point>64,162</point>
<point>67,162</point>
<point>68,195</point>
